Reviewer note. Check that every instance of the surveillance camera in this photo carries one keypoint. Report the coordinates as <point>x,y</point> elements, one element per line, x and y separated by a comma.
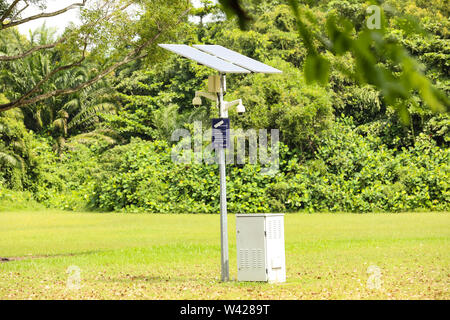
<point>197,101</point>
<point>240,108</point>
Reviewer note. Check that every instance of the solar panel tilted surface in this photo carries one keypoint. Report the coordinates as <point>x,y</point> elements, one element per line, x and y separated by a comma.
<point>220,58</point>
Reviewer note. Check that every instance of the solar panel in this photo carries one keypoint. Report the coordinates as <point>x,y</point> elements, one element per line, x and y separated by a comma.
<point>237,59</point>
<point>204,58</point>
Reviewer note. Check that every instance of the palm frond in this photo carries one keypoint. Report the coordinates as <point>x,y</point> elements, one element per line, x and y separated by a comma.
<point>105,135</point>
<point>11,160</point>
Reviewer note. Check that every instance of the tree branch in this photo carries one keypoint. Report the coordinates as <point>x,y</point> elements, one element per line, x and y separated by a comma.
<point>44,15</point>
<point>52,73</point>
<point>133,55</point>
<point>20,11</point>
<point>33,49</point>
<point>54,44</point>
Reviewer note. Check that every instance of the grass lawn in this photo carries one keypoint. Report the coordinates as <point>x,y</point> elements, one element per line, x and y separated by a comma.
<point>150,256</point>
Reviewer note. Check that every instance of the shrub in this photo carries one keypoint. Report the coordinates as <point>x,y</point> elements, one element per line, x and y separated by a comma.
<point>19,166</point>
<point>12,200</point>
<point>359,174</point>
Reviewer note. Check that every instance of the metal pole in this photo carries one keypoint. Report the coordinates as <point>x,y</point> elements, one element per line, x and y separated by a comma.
<point>223,194</point>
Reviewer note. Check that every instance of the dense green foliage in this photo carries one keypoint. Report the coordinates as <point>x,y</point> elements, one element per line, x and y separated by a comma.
<point>350,172</point>
<point>378,57</point>
<point>344,145</point>
<point>18,162</point>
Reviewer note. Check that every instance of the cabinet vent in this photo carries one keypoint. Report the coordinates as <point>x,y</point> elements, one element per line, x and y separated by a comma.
<point>274,229</point>
<point>251,258</point>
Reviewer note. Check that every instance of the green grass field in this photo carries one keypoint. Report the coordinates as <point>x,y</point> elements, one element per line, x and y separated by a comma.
<point>150,256</point>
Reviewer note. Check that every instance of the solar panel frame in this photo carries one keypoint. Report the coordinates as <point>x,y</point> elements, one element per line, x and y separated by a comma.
<point>204,58</point>
<point>237,58</point>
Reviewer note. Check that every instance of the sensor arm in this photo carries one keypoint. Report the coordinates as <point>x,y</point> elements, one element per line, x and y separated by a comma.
<point>232,103</point>
<point>211,96</point>
<point>206,95</point>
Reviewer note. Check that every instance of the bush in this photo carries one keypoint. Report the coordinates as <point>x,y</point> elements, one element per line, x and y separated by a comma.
<point>142,176</point>
<point>359,174</point>
<point>67,181</point>
<point>350,172</point>
<point>12,200</point>
<point>19,166</point>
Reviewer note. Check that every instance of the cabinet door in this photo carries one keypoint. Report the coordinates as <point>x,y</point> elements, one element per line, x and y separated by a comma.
<point>250,245</point>
<point>276,264</point>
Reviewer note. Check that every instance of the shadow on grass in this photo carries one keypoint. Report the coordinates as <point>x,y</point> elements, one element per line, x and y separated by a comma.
<point>47,256</point>
<point>150,279</point>
<point>158,279</point>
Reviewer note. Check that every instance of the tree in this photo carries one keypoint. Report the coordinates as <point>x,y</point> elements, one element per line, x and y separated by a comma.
<point>112,34</point>
<point>369,47</point>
